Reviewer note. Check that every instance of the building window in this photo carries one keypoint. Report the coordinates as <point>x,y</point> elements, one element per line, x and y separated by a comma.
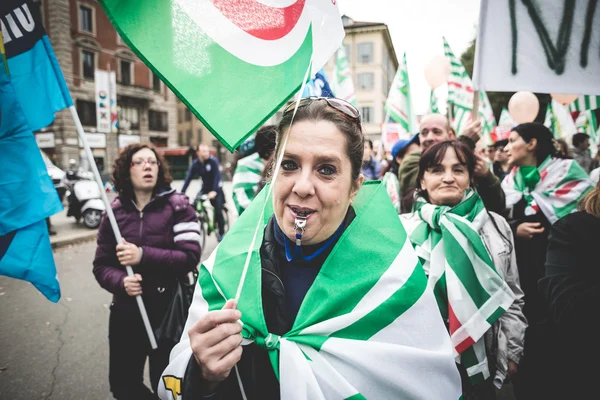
<point>155,82</point>
<point>199,138</point>
<point>131,115</point>
<point>125,72</point>
<point>367,114</point>
<point>188,114</point>
<point>88,63</point>
<point>179,116</point>
<point>365,53</point>
<point>188,136</point>
<point>180,135</point>
<point>158,121</point>
<point>86,19</point>
<point>87,112</point>
<point>366,80</point>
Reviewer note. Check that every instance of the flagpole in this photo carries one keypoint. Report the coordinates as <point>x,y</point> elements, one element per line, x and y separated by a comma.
<point>475,112</point>
<point>111,217</point>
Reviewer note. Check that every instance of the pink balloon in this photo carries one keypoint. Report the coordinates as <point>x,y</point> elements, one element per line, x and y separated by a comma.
<point>523,107</point>
<point>437,71</point>
<point>564,98</point>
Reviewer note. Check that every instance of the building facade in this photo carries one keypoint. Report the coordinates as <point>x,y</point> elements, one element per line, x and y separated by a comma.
<point>373,63</point>
<point>84,40</point>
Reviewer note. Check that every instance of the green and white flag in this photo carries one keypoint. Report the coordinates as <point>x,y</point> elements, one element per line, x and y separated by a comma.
<point>342,83</point>
<point>398,104</point>
<point>585,103</point>
<point>245,181</point>
<point>505,125</point>
<point>233,64</point>
<point>433,104</point>
<point>470,293</point>
<point>558,119</point>
<point>460,93</point>
<point>554,188</point>
<point>368,328</point>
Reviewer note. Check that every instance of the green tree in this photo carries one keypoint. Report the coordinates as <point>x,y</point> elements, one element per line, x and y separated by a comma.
<point>498,100</point>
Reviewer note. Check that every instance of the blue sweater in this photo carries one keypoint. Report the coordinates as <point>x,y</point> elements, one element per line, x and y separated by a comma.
<point>208,170</point>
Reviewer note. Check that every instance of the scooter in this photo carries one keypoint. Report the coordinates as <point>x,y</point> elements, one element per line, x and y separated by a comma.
<point>85,199</point>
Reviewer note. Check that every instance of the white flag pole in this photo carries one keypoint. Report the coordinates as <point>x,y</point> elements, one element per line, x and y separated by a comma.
<point>476,69</point>
<point>111,217</point>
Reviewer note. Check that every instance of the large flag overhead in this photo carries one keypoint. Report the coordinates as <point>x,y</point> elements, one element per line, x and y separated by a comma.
<point>548,46</point>
<point>233,63</point>
<point>374,336</point>
<point>398,104</point>
<point>28,195</point>
<point>461,93</point>
<point>342,83</point>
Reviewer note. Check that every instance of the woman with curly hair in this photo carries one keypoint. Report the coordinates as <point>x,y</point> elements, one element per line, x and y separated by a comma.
<point>161,243</point>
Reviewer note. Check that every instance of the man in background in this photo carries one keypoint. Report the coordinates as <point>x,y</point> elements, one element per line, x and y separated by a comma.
<point>581,150</point>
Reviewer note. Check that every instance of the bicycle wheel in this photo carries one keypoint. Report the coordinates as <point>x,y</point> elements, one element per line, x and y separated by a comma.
<point>226,221</point>
<point>202,216</point>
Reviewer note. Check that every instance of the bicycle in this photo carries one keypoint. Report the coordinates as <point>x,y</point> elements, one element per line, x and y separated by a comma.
<point>208,224</point>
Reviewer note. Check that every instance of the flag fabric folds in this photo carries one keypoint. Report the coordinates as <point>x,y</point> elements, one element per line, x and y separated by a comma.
<point>585,103</point>
<point>318,86</point>
<point>28,192</point>
<point>433,103</point>
<point>245,181</point>
<point>342,83</point>
<point>470,293</point>
<point>554,188</point>
<point>559,120</point>
<point>374,336</point>
<point>460,94</point>
<point>233,65</point>
<point>398,104</point>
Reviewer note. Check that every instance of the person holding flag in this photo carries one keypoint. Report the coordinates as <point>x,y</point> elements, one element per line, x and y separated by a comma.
<point>331,300</point>
<point>541,188</point>
<point>467,253</point>
<point>248,171</point>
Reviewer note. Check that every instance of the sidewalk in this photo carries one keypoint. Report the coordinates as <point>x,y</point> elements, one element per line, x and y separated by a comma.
<point>69,232</point>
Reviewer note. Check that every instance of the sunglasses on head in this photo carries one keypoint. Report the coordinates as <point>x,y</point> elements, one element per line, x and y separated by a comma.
<point>339,105</point>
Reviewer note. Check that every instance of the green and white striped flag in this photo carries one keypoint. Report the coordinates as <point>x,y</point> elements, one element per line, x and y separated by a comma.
<point>460,93</point>
<point>368,327</point>
<point>558,119</point>
<point>245,181</point>
<point>585,103</point>
<point>554,188</point>
<point>233,64</point>
<point>433,104</point>
<point>342,83</point>
<point>398,104</point>
<point>470,293</point>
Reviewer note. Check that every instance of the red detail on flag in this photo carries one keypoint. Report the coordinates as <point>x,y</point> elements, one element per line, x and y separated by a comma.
<point>459,86</point>
<point>567,188</point>
<point>454,324</point>
<point>543,174</point>
<point>259,20</point>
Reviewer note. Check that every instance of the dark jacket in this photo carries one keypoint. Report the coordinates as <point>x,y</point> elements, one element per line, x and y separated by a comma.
<point>166,230</point>
<point>571,287</point>
<point>255,368</point>
<point>210,173</point>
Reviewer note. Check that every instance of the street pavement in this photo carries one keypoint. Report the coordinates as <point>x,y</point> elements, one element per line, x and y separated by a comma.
<point>60,351</point>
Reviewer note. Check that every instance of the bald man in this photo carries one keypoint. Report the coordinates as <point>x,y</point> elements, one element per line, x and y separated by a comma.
<point>435,128</point>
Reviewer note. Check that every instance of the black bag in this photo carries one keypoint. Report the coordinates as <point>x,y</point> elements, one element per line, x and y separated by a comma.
<point>173,322</point>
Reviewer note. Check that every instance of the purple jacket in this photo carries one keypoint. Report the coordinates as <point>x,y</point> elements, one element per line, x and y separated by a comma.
<point>167,230</point>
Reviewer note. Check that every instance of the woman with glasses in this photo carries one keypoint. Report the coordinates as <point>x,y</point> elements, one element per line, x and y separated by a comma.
<point>161,243</point>
<point>332,302</point>
<point>468,255</point>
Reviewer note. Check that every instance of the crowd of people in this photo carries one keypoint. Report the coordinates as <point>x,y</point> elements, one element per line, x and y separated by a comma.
<point>502,237</point>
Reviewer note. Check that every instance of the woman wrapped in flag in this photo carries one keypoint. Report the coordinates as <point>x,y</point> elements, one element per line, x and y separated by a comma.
<point>541,188</point>
<point>467,253</point>
<point>333,303</point>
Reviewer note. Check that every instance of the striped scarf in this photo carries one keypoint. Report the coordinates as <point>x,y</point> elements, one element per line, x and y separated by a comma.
<point>470,293</point>
<point>367,328</point>
<point>554,188</point>
<point>245,181</point>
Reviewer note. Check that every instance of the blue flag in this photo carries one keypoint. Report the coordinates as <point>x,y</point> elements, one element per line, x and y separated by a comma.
<point>318,86</point>
<point>32,89</point>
